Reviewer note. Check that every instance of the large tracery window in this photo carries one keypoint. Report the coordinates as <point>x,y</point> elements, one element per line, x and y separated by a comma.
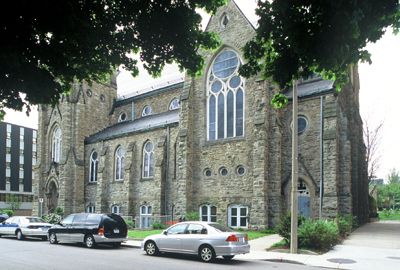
<point>225,92</point>
<point>119,164</point>
<point>148,160</point>
<point>93,167</point>
<point>56,145</point>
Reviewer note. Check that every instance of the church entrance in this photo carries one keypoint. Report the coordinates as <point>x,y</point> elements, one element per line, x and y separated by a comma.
<point>303,199</point>
<point>52,198</point>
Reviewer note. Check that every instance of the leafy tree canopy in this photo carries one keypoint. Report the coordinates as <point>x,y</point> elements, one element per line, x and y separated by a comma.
<point>46,44</point>
<point>298,37</point>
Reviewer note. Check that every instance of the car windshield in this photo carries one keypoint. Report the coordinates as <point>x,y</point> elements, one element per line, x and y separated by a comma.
<point>220,227</point>
<point>34,220</point>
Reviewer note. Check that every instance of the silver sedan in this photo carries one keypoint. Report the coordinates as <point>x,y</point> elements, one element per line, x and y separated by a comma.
<point>205,239</point>
<point>22,226</point>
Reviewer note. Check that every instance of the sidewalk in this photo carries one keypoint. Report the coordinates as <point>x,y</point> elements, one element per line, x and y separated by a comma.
<point>372,246</point>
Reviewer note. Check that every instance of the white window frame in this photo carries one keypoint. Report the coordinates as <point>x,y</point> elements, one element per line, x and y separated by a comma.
<point>208,216</point>
<point>238,216</point>
<point>93,166</point>
<point>148,161</point>
<point>225,90</point>
<point>145,216</point>
<point>120,117</point>
<point>116,209</point>
<point>174,104</point>
<point>119,164</point>
<point>147,111</point>
<point>56,145</point>
<point>91,209</point>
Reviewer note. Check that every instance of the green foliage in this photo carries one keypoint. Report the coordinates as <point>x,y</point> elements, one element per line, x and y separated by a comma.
<point>10,213</point>
<point>52,218</point>
<point>318,234</point>
<point>240,229</point>
<point>387,213</point>
<point>346,224</point>
<point>192,216</point>
<point>59,211</point>
<point>386,192</point>
<point>13,201</point>
<point>157,226</point>
<point>284,226</point>
<point>393,216</point>
<point>130,223</point>
<point>88,39</point>
<point>296,38</point>
<point>141,234</point>
<point>268,231</point>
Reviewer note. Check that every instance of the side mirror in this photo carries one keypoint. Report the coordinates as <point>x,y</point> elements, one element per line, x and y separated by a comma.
<point>165,232</point>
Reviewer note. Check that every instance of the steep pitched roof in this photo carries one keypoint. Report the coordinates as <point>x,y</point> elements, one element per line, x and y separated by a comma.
<point>313,87</point>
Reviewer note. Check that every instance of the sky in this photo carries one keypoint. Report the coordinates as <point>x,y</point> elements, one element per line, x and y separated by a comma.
<point>379,93</point>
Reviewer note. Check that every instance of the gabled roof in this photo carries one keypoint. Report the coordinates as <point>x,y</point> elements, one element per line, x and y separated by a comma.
<point>140,125</point>
<point>312,87</point>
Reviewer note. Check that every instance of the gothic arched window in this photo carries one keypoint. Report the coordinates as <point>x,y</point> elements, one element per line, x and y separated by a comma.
<point>148,160</point>
<point>119,163</point>
<point>56,145</point>
<point>93,167</point>
<point>225,91</point>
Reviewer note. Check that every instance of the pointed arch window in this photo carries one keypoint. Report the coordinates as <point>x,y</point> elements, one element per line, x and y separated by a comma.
<point>225,91</point>
<point>119,163</point>
<point>56,145</point>
<point>93,167</point>
<point>148,160</point>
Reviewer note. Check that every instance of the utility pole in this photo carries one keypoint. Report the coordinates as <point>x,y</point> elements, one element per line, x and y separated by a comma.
<point>295,165</point>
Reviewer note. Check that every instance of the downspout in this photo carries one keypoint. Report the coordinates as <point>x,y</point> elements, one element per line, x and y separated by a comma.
<point>321,164</point>
<point>166,172</point>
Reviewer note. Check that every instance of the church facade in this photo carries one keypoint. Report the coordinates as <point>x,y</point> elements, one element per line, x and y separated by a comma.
<point>212,145</point>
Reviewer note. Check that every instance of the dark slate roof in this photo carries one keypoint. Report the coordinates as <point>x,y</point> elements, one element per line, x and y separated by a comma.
<point>139,125</point>
<point>313,87</point>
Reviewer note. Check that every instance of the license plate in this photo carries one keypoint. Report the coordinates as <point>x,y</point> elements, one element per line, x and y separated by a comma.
<point>116,231</point>
<point>241,239</point>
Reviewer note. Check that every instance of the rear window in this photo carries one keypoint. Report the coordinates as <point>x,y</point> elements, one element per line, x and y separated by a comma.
<point>93,219</point>
<point>220,227</point>
<point>111,221</point>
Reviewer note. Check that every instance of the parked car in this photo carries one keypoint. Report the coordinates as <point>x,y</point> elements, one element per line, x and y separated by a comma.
<point>23,226</point>
<point>205,239</point>
<point>3,216</point>
<point>90,229</point>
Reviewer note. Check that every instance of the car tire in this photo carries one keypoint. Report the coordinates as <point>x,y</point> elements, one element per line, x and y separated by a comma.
<point>20,236</point>
<point>89,241</point>
<point>206,253</point>
<point>228,258</point>
<point>151,248</point>
<point>53,238</point>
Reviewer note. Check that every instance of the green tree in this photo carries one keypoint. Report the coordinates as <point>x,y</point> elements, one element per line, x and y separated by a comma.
<point>393,177</point>
<point>46,45</point>
<point>387,191</point>
<point>296,38</point>
<point>13,201</point>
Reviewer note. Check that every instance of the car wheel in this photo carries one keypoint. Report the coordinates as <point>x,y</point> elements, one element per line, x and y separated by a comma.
<point>207,253</point>
<point>89,241</point>
<point>151,248</point>
<point>53,238</point>
<point>20,236</point>
<point>228,258</point>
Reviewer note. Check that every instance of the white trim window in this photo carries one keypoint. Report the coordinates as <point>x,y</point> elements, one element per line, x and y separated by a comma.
<point>148,160</point>
<point>90,209</point>
<point>116,209</point>
<point>225,102</point>
<point>174,104</point>
<point>208,213</point>
<point>119,163</point>
<point>147,111</point>
<point>145,216</point>
<point>238,216</point>
<point>56,145</point>
<point>93,167</point>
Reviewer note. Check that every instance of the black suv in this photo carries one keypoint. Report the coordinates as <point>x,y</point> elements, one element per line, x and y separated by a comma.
<point>90,229</point>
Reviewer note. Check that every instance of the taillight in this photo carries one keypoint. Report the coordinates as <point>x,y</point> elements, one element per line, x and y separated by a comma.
<point>246,238</point>
<point>101,231</point>
<point>232,238</point>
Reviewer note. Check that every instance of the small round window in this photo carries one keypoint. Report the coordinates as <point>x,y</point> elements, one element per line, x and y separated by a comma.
<point>225,64</point>
<point>301,124</point>
<point>147,111</point>
<point>122,117</point>
<point>207,172</point>
<point>174,104</point>
<point>240,170</point>
<point>224,171</point>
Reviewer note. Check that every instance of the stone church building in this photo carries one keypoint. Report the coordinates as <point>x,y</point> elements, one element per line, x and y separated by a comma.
<point>212,145</point>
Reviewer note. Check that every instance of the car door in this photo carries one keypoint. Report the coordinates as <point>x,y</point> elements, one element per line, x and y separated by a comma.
<point>5,226</point>
<point>172,238</point>
<point>13,226</point>
<point>77,230</point>
<point>62,231</point>
<point>194,236</point>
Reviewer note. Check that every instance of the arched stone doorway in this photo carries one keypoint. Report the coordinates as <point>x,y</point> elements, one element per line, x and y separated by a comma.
<point>52,196</point>
<point>303,199</point>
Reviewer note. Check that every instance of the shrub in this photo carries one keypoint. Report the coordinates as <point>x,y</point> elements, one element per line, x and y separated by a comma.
<point>192,216</point>
<point>240,229</point>
<point>387,213</point>
<point>59,211</point>
<point>10,213</point>
<point>268,231</point>
<point>317,235</point>
<point>130,223</point>
<point>157,226</point>
<point>52,218</point>
<point>284,226</point>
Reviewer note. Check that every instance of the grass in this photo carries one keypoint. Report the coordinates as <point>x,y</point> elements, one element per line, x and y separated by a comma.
<point>143,234</point>
<point>393,216</point>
